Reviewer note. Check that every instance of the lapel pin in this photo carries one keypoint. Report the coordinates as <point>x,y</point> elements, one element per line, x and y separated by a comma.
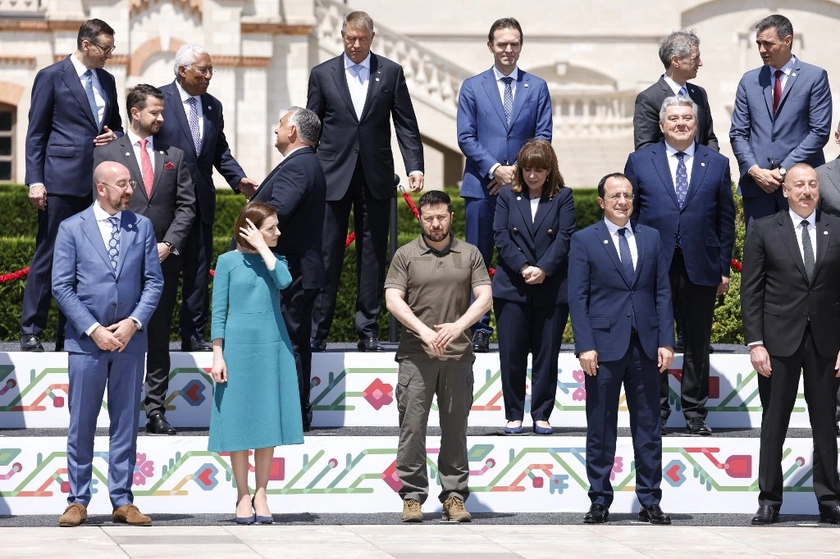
<point>127,154</point>
<point>524,85</point>
<point>519,197</point>
<point>377,79</point>
<point>825,232</point>
<point>209,108</point>
<point>703,164</point>
<point>606,241</point>
<point>793,74</point>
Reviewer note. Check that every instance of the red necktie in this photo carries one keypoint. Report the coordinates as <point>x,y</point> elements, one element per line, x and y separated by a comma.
<point>146,168</point>
<point>777,90</point>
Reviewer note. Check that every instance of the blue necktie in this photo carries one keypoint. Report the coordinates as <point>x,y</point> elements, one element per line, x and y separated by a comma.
<point>507,101</point>
<point>114,242</point>
<point>193,121</point>
<point>683,91</point>
<point>682,178</point>
<point>90,97</point>
<point>626,264</point>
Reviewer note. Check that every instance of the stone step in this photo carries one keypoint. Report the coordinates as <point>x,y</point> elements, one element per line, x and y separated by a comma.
<point>357,389</point>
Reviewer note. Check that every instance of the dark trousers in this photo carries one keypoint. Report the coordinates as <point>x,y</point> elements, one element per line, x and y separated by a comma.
<point>524,329</point>
<point>820,393</point>
<point>196,258</point>
<point>694,307</point>
<point>640,376</point>
<point>297,302</point>
<point>38,291</point>
<point>159,330</point>
<point>479,214</point>
<point>370,222</point>
<point>763,205</point>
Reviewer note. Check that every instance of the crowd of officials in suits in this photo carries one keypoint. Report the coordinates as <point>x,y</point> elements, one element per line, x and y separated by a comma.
<point>112,259</point>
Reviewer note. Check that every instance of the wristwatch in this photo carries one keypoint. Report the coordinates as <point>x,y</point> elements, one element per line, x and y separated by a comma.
<point>783,172</point>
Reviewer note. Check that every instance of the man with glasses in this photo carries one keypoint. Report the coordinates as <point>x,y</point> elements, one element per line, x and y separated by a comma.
<point>196,126</point>
<point>73,109</point>
<point>107,280</point>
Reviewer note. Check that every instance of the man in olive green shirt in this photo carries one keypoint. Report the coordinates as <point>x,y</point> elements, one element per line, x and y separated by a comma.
<point>428,290</point>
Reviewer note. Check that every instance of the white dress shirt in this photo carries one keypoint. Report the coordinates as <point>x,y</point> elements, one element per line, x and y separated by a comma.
<point>628,234</point>
<point>98,92</point>
<point>150,148</point>
<point>184,97</point>
<point>358,85</point>
<point>787,70</point>
<point>812,231</point>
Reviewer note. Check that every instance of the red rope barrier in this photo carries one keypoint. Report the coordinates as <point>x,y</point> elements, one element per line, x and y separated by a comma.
<point>20,274</point>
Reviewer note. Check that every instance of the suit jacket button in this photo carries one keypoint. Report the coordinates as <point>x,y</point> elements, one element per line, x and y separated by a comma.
<point>551,231</point>
<point>515,230</point>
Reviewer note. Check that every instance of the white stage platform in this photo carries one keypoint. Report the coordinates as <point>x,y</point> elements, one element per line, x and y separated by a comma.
<point>356,474</point>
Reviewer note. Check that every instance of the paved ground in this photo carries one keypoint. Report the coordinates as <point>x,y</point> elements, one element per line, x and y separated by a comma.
<point>432,539</point>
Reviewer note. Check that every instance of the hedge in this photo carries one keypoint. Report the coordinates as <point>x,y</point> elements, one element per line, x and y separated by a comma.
<point>20,225</point>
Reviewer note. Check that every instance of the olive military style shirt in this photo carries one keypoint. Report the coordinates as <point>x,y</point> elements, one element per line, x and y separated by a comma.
<point>437,287</point>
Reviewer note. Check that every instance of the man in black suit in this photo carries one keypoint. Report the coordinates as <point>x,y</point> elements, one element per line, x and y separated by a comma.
<point>355,95</point>
<point>297,188</point>
<point>790,306</point>
<point>680,54</point>
<point>196,126</point>
<point>166,195</point>
<point>73,109</point>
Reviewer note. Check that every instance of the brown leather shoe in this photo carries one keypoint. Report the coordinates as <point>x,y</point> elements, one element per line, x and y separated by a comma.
<point>130,514</point>
<point>73,515</point>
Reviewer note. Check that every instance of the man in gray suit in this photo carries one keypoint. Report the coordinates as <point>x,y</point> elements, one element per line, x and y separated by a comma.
<point>782,116</point>
<point>680,54</point>
<point>166,195</point>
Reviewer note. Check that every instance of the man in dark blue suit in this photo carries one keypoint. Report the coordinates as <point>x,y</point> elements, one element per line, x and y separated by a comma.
<point>195,125</point>
<point>498,111</point>
<point>297,188</point>
<point>73,109</point>
<point>620,303</point>
<point>782,116</point>
<point>107,281</point>
<point>683,190</point>
<point>356,95</point>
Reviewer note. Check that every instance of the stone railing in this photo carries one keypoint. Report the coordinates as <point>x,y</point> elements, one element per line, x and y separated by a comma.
<point>592,114</point>
<point>14,7</point>
<point>431,78</point>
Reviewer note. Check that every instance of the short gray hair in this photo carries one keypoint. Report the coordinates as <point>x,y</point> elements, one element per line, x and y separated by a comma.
<point>359,20</point>
<point>307,123</point>
<point>677,101</point>
<point>186,56</point>
<point>679,44</point>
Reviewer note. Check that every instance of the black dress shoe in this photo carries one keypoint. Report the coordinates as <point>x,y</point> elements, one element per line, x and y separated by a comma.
<point>598,514</point>
<point>30,342</point>
<point>157,425</point>
<point>317,345</point>
<point>766,515</point>
<point>830,514</point>
<point>370,344</point>
<point>481,342</point>
<point>654,514</point>
<point>697,426</point>
<point>194,343</point>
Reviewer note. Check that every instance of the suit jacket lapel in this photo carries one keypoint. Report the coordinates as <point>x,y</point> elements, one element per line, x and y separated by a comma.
<point>130,161</point>
<point>523,204</point>
<point>491,89</point>
<point>698,173</point>
<point>177,108</point>
<point>787,233</point>
<point>641,234</point>
<point>160,161</point>
<point>823,237</point>
<point>128,230</point>
<point>74,84</point>
<point>523,89</point>
<point>543,210</point>
<point>91,230</point>
<point>340,80</point>
<point>659,159</point>
<point>609,246</point>
<point>374,83</point>
<point>789,84</point>
<point>765,80</point>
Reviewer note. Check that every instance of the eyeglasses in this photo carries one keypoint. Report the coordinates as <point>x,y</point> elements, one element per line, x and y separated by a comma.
<point>202,70</point>
<point>619,196</point>
<point>123,185</point>
<point>105,50</point>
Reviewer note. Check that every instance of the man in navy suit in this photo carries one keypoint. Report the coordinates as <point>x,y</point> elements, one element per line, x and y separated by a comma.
<point>620,303</point>
<point>73,109</point>
<point>107,281</point>
<point>498,111</point>
<point>355,95</point>
<point>683,190</point>
<point>680,54</point>
<point>195,125</point>
<point>166,196</point>
<point>782,116</point>
<point>297,188</point>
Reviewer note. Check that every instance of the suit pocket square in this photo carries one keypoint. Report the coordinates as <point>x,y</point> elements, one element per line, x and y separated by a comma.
<point>169,165</point>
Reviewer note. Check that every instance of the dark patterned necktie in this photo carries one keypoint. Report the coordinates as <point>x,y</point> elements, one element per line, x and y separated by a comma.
<point>90,97</point>
<point>507,101</point>
<point>193,120</point>
<point>777,90</point>
<point>682,178</point>
<point>807,251</point>
<point>114,242</point>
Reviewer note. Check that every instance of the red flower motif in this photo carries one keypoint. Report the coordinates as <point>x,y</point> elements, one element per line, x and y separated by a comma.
<point>379,394</point>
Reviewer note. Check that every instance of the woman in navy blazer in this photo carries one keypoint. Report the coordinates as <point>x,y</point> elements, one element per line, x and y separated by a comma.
<point>535,218</point>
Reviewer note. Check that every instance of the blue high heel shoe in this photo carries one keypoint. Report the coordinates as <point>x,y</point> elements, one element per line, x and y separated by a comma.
<point>261,519</point>
<point>245,519</point>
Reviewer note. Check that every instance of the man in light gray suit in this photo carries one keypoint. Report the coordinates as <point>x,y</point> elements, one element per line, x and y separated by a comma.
<point>782,116</point>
